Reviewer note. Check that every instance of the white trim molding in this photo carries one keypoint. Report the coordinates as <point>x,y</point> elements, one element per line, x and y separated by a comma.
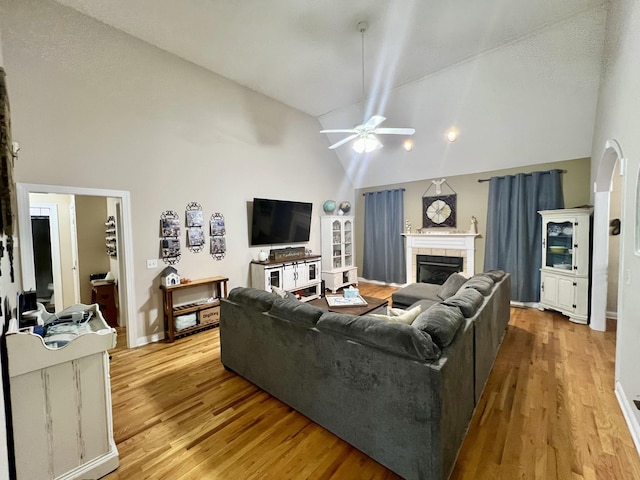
<point>126,278</point>
<point>630,415</point>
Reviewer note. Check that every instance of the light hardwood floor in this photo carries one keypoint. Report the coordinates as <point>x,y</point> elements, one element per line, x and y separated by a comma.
<point>548,412</point>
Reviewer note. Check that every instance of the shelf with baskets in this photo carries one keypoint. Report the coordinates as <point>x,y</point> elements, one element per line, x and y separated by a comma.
<point>185,319</point>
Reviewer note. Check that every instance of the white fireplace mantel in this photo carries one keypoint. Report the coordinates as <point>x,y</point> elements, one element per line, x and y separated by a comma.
<point>446,241</point>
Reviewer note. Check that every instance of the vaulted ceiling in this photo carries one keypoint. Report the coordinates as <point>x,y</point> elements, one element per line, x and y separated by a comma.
<point>307,53</point>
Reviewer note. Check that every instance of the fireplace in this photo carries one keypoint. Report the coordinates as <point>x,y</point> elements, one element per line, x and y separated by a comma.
<point>460,245</point>
<point>436,268</point>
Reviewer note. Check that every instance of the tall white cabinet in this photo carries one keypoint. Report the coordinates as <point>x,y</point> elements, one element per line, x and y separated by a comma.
<point>338,254</point>
<point>566,262</point>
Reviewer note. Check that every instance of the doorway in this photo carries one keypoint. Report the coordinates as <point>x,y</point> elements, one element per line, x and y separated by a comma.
<point>126,295</point>
<point>611,157</point>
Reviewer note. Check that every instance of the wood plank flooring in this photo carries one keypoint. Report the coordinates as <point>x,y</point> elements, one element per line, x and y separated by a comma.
<point>548,412</point>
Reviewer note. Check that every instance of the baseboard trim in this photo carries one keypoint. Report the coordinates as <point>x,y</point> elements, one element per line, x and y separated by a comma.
<point>629,415</point>
<point>149,339</point>
<point>378,282</point>
<point>612,315</point>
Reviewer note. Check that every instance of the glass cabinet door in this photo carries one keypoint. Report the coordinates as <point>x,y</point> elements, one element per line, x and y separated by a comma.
<point>348,256</point>
<point>559,245</point>
<point>336,247</point>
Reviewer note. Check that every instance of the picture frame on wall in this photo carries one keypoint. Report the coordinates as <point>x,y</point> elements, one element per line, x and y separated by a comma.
<point>194,218</point>
<point>218,245</point>
<point>217,226</point>
<point>170,247</point>
<point>195,236</point>
<point>170,227</point>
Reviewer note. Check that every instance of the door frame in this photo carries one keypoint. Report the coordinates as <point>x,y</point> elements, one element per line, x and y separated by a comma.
<point>600,260</point>
<point>126,291</point>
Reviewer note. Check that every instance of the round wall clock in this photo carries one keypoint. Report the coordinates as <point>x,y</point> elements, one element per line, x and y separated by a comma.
<point>439,211</point>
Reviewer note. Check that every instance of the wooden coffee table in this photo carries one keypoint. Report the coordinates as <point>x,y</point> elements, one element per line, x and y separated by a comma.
<point>373,303</point>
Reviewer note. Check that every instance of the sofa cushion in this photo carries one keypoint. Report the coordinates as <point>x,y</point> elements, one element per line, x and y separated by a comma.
<point>399,315</point>
<point>468,300</point>
<point>397,338</point>
<point>261,300</point>
<point>484,285</point>
<point>441,322</point>
<point>294,310</point>
<point>416,291</point>
<point>495,275</point>
<point>451,285</point>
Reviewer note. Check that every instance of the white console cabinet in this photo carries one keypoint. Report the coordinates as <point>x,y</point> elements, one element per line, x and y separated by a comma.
<point>301,276</point>
<point>566,259</point>
<point>338,254</point>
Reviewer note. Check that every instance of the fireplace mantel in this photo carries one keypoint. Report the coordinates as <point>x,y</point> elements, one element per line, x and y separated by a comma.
<point>463,243</point>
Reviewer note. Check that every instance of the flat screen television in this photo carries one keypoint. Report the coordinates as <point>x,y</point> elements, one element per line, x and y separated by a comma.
<point>280,221</point>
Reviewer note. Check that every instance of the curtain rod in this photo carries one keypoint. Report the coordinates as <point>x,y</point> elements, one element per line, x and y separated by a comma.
<point>389,190</point>
<point>482,180</point>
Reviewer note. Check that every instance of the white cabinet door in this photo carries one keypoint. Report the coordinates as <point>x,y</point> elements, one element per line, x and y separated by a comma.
<point>289,277</point>
<point>566,294</point>
<point>273,278</point>
<point>549,289</point>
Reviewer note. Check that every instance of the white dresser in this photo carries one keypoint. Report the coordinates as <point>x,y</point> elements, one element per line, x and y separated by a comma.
<point>61,402</point>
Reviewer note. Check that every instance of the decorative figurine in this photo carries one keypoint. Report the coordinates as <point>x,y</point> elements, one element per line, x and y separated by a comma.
<point>407,226</point>
<point>474,225</point>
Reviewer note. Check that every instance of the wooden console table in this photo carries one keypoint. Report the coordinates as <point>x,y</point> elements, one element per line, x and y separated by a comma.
<point>208,313</point>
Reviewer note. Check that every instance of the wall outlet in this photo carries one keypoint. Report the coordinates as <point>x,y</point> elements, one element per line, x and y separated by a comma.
<point>153,263</point>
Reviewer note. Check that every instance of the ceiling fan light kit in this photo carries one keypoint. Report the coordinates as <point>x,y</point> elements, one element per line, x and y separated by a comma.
<point>365,133</point>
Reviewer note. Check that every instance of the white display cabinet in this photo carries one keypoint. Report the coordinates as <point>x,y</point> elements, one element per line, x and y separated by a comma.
<point>338,253</point>
<point>61,399</point>
<point>300,276</point>
<point>566,262</point>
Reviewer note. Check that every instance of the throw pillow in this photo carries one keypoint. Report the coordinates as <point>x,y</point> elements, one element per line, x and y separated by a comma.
<point>441,322</point>
<point>279,292</point>
<point>451,285</point>
<point>468,300</point>
<point>407,316</point>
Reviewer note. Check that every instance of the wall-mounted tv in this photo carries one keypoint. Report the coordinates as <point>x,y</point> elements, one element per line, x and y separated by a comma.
<point>280,221</point>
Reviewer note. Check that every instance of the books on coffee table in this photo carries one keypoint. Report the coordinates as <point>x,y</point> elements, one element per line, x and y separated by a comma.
<point>341,301</point>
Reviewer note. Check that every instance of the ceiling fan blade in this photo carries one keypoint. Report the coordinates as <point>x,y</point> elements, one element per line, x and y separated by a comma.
<point>373,122</point>
<point>395,131</point>
<point>340,130</point>
<point>343,141</point>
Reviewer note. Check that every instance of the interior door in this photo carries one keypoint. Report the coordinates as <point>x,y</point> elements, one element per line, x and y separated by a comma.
<point>49,211</point>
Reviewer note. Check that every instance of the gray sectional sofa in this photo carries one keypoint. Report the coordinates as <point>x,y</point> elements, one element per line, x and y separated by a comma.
<point>402,394</point>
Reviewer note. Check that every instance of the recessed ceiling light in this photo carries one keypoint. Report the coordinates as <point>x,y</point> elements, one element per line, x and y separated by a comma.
<point>408,145</point>
<point>452,135</point>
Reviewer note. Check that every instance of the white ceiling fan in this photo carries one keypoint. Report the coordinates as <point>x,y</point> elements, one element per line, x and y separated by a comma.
<point>365,133</point>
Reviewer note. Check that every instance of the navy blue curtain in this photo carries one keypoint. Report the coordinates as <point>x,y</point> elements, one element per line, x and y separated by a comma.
<point>514,227</point>
<point>384,254</point>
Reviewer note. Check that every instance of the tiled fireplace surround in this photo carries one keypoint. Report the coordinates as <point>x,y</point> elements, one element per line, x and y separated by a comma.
<point>449,245</point>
